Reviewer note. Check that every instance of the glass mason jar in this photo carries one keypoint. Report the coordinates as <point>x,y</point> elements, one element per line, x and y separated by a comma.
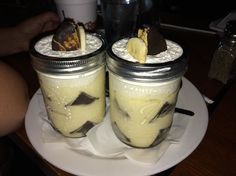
<point>143,98</point>
<point>72,84</point>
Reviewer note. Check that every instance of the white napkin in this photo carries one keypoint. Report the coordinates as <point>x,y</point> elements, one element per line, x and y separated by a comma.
<point>102,142</point>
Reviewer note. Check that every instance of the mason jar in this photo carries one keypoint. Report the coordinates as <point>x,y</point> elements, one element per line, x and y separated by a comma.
<point>72,84</point>
<point>143,96</point>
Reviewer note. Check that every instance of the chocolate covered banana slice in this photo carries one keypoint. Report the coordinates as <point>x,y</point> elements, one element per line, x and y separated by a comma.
<point>66,37</point>
<point>138,49</point>
<point>69,36</point>
<point>154,40</point>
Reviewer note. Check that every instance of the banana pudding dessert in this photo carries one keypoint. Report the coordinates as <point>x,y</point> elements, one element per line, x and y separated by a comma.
<point>70,65</point>
<point>144,80</point>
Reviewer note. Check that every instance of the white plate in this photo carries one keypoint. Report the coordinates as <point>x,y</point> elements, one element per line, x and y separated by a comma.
<point>79,164</point>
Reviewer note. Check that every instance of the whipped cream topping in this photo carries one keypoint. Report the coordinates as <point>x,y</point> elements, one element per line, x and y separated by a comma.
<point>44,47</point>
<point>174,51</point>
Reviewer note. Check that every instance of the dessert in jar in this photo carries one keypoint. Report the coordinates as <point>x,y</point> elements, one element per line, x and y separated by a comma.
<point>144,80</point>
<point>70,65</point>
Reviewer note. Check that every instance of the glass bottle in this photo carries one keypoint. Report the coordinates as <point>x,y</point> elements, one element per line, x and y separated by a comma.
<point>223,64</point>
<point>149,13</point>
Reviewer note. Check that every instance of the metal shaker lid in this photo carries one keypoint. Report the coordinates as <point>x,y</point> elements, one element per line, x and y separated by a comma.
<point>230,29</point>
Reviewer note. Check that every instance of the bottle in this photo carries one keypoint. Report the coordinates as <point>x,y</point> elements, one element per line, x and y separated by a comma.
<point>223,64</point>
<point>149,13</point>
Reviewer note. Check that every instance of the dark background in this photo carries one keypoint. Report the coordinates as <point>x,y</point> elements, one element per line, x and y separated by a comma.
<point>14,11</point>
<point>190,12</point>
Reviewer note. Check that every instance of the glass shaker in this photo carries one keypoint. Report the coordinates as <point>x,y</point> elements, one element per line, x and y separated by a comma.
<point>223,64</point>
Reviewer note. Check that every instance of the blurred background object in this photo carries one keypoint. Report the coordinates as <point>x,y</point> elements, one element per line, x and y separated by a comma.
<point>196,13</point>
<point>14,11</point>
<point>119,18</point>
<point>82,11</point>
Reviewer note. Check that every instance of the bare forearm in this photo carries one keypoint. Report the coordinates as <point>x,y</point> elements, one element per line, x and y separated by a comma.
<point>11,41</point>
<point>17,39</point>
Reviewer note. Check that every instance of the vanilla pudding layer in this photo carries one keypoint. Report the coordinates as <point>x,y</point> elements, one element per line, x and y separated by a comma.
<point>142,113</point>
<point>69,113</point>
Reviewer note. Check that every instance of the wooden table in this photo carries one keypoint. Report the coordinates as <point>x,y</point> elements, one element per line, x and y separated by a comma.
<point>215,156</point>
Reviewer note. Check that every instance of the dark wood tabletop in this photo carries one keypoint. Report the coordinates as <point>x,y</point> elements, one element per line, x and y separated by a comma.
<point>216,154</point>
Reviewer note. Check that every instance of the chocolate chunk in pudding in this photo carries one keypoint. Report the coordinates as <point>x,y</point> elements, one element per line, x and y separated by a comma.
<point>84,99</point>
<point>81,132</point>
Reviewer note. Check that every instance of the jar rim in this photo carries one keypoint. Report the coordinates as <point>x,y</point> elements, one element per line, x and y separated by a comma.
<point>52,64</point>
<point>146,71</point>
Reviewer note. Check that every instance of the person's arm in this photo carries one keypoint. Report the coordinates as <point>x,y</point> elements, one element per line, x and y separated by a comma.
<point>16,39</point>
